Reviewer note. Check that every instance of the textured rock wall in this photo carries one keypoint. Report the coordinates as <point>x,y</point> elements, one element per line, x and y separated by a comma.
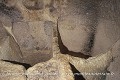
<point>9,71</point>
<point>108,31</point>
<point>85,27</point>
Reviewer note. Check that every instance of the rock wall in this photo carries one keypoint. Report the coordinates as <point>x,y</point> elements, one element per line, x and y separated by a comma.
<point>83,28</point>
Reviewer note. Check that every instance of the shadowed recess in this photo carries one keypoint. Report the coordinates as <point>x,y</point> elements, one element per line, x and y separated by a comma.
<point>23,64</point>
<point>77,74</point>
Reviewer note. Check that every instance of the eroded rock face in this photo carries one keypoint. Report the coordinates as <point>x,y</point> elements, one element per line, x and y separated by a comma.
<point>59,68</point>
<point>90,27</point>
<point>94,68</point>
<point>114,67</point>
<point>33,39</point>
<point>78,18</point>
<point>107,32</point>
<point>9,49</point>
<point>53,69</point>
<point>9,71</point>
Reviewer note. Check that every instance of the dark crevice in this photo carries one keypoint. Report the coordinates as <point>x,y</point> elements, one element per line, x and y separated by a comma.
<point>78,54</point>
<point>91,42</point>
<point>77,74</point>
<point>19,63</point>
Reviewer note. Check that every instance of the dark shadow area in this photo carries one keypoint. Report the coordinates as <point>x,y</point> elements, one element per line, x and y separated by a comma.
<point>65,50</point>
<point>6,10</point>
<point>78,54</point>
<point>23,64</point>
<point>77,74</point>
<point>12,12</point>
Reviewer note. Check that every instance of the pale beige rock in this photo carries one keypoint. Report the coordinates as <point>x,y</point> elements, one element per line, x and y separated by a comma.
<point>89,67</point>
<point>9,71</point>
<point>53,69</point>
